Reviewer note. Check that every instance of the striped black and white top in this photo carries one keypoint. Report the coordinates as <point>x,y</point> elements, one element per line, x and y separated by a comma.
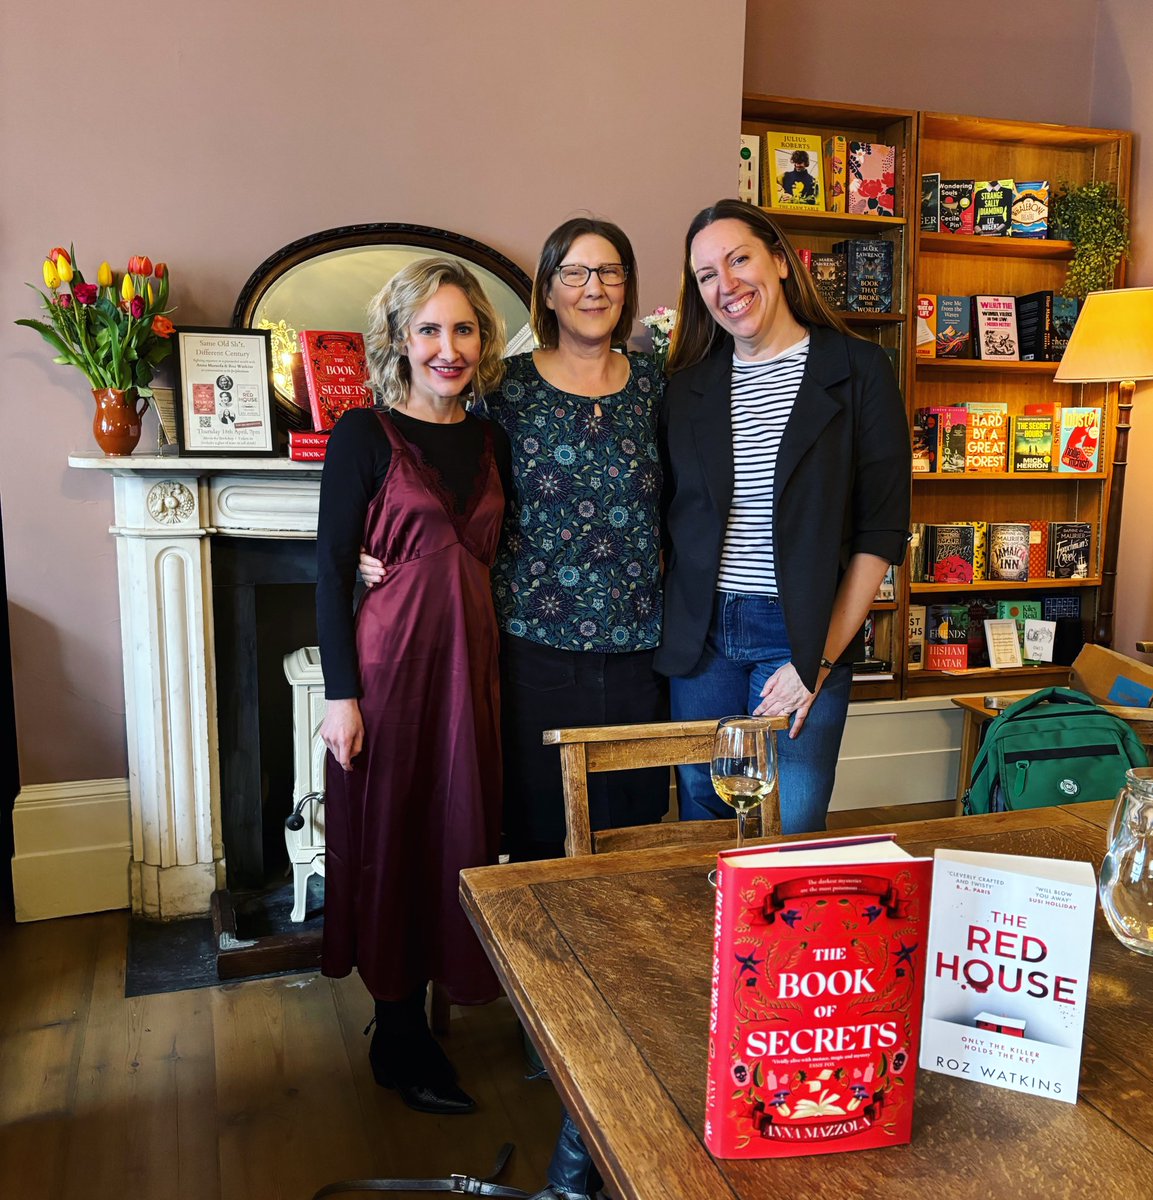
<point>762,399</point>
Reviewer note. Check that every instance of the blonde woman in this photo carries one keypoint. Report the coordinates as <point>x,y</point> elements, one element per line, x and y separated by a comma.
<point>411,681</point>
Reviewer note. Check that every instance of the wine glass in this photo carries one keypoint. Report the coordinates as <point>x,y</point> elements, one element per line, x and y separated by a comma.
<point>744,769</point>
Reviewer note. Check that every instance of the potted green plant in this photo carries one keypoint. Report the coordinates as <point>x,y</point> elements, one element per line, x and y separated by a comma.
<point>1094,218</point>
<point>114,333</point>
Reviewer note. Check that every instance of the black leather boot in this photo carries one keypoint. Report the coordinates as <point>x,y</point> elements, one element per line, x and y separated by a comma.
<point>571,1173</point>
<point>406,1057</point>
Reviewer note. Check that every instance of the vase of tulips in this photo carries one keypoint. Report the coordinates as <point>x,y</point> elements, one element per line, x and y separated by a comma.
<point>115,331</point>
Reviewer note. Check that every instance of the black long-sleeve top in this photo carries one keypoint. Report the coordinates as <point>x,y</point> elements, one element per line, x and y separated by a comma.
<point>355,464</point>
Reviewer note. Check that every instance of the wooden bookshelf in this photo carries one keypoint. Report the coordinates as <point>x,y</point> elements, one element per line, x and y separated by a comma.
<point>961,147</point>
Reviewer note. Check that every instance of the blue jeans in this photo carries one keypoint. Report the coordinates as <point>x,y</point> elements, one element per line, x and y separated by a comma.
<point>745,645</point>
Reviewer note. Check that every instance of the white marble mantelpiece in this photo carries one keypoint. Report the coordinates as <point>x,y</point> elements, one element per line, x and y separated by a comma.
<point>167,510</point>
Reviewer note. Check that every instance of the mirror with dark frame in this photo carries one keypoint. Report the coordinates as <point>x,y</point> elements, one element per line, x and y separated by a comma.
<point>325,281</point>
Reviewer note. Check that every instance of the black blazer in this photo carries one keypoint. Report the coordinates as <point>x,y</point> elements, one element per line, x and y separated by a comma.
<point>841,487</point>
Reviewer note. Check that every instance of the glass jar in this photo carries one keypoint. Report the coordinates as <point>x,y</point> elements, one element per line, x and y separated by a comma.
<point>1126,886</point>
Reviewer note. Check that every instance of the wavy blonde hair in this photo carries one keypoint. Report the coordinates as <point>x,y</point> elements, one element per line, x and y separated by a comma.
<point>392,309</point>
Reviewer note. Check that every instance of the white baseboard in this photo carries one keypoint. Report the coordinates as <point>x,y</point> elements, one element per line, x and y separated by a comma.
<point>911,760</point>
<point>73,848</point>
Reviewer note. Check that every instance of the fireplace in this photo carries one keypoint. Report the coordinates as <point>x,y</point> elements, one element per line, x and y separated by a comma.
<point>198,540</point>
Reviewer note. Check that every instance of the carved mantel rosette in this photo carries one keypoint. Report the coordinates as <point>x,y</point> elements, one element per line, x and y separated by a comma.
<point>170,502</point>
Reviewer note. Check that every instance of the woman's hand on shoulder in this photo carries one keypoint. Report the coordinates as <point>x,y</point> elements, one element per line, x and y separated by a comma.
<point>784,694</point>
<point>342,730</point>
<point>371,569</point>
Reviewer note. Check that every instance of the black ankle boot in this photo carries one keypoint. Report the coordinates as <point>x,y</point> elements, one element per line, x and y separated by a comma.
<point>406,1057</point>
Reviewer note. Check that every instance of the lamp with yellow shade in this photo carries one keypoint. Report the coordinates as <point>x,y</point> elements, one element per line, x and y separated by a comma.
<point>1112,342</point>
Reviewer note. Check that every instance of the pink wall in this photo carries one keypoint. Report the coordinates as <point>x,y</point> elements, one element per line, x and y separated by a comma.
<point>1030,62</point>
<point>1123,97</point>
<point>210,134</point>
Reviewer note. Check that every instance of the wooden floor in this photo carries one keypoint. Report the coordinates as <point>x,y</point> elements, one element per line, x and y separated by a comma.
<point>250,1091</point>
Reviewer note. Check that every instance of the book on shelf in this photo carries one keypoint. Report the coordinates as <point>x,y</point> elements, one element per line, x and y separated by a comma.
<point>980,609</point>
<point>871,173</point>
<point>1035,326</point>
<point>336,374</point>
<point>1020,611</point>
<point>1008,551</point>
<point>1040,640</point>
<point>816,997</point>
<point>994,321</point>
<point>834,156</point>
<point>956,206</point>
<point>806,257</point>
<point>1070,550</point>
<point>952,550</point>
<point>926,326</point>
<point>792,172</point>
<point>831,279</point>
<point>946,637</point>
<point>868,274</point>
<point>887,588</point>
<point>1065,311</point>
<point>945,433</point>
<point>749,169</point>
<point>953,325</point>
<point>918,546</point>
<point>869,638</point>
<point>925,448</point>
<point>1079,440</point>
<point>931,203</point>
<point>1032,444</point>
<point>1008,970</point>
<point>987,439</point>
<point>306,445</point>
<point>1002,646</point>
<point>915,657</point>
<point>1038,549</point>
<point>992,207</point>
<point>1063,606</point>
<point>1031,209</point>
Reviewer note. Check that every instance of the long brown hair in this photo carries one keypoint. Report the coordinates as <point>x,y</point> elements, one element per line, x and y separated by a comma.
<point>552,254</point>
<point>696,331</point>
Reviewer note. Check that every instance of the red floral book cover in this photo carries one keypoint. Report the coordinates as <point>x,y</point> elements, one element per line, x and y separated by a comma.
<point>336,373</point>
<point>817,987</point>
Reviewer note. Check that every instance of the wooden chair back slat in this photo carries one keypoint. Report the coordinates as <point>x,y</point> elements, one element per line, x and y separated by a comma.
<point>597,748</point>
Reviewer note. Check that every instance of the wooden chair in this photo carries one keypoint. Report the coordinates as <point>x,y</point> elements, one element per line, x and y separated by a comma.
<point>629,747</point>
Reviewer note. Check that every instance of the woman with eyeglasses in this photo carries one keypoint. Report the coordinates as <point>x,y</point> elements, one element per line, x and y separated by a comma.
<point>786,459</point>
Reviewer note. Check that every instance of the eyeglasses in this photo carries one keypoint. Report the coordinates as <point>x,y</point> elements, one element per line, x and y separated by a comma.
<point>611,274</point>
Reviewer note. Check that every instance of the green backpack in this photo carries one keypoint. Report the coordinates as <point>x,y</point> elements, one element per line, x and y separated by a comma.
<point>1053,747</point>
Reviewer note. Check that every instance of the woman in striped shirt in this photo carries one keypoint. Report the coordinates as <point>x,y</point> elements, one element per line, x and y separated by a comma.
<point>786,465</point>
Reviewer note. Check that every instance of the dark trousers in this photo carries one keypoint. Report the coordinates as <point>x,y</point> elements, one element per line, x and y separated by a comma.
<point>544,688</point>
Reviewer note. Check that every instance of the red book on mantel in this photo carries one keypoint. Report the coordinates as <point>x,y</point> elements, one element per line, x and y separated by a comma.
<point>818,981</point>
<point>335,373</point>
<point>306,446</point>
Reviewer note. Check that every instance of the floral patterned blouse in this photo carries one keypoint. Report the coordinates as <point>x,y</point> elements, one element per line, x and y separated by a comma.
<point>579,566</point>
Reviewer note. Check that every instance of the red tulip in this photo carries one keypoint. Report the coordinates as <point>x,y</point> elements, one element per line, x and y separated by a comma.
<point>136,307</point>
<point>64,300</point>
<point>85,293</point>
<point>140,264</point>
<point>57,253</point>
<point>160,270</point>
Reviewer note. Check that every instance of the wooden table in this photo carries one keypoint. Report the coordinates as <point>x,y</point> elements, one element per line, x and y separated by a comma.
<point>607,959</point>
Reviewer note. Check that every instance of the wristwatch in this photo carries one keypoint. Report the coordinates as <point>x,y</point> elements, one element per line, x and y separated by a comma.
<point>826,664</point>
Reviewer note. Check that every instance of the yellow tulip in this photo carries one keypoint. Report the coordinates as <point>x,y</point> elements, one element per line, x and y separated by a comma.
<point>151,297</point>
<point>127,290</point>
<point>51,275</point>
<point>64,269</point>
<point>104,275</point>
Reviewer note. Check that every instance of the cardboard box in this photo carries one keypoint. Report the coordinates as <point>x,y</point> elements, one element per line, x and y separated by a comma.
<point>1112,678</point>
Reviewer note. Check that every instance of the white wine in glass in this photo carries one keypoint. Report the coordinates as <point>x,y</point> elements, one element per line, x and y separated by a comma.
<point>744,769</point>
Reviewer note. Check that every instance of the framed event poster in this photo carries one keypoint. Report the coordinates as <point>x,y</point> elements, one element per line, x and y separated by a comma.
<point>224,392</point>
